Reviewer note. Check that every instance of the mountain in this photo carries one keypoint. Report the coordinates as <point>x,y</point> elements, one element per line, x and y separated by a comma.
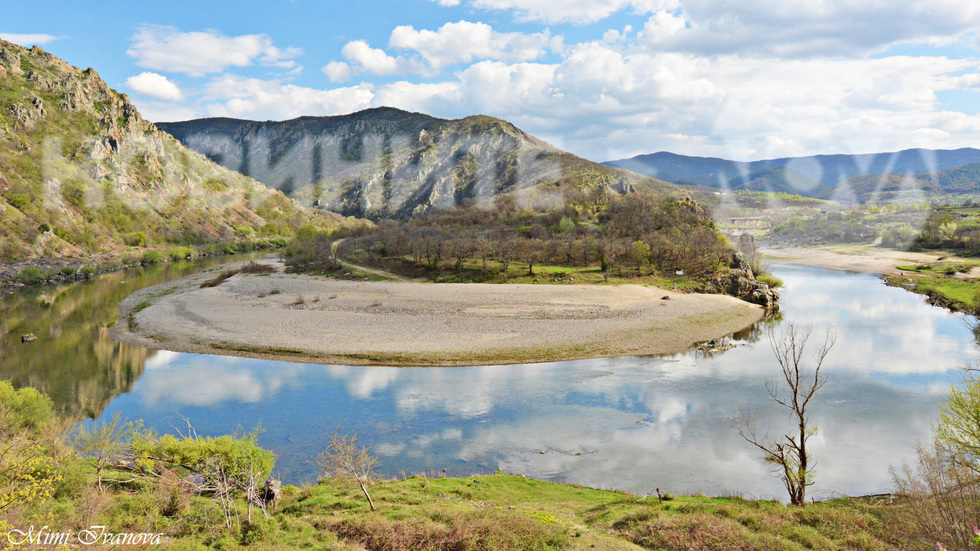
<point>954,181</point>
<point>388,163</point>
<point>82,172</point>
<point>778,180</point>
<point>828,170</point>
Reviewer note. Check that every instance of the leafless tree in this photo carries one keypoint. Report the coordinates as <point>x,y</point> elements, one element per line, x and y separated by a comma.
<point>343,458</point>
<point>801,379</point>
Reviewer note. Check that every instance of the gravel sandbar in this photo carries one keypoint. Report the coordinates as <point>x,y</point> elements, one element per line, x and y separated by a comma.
<point>312,319</point>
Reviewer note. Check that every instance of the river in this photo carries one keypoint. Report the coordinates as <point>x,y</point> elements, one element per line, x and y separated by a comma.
<point>632,423</point>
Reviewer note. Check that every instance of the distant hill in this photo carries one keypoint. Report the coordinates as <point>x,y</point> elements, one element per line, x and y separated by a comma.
<point>778,180</point>
<point>954,181</point>
<point>82,172</point>
<point>387,163</point>
<point>830,171</point>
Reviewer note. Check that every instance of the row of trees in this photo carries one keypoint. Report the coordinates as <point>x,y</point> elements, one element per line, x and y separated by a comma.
<point>940,231</point>
<point>638,233</point>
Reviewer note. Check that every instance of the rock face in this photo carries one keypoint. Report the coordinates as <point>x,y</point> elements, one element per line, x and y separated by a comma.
<point>387,163</point>
<point>81,172</point>
<point>740,282</point>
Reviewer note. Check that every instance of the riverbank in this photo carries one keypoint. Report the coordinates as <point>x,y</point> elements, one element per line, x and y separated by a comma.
<point>310,319</point>
<point>855,258</point>
<point>48,270</point>
<point>947,282</point>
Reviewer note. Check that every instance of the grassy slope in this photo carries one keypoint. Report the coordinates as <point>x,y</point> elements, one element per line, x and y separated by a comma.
<point>502,512</point>
<point>89,175</point>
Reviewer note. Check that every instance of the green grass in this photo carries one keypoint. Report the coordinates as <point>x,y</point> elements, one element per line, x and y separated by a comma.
<point>942,268</point>
<point>960,293</point>
<point>517,273</point>
<point>504,512</point>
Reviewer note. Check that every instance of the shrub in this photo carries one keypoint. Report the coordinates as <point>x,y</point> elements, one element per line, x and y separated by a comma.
<point>152,257</point>
<point>219,279</point>
<point>179,253</point>
<point>19,201</point>
<point>33,275</point>
<point>68,271</point>
<point>250,268</point>
<point>770,280</point>
<point>135,239</point>
<point>26,408</point>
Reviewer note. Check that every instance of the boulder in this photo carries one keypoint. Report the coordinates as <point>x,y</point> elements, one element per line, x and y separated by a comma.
<point>740,282</point>
<point>28,338</point>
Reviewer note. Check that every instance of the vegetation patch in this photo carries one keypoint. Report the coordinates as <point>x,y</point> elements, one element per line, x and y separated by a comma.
<point>250,268</point>
<point>594,237</point>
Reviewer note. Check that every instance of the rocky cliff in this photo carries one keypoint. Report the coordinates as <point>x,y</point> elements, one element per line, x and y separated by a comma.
<point>387,163</point>
<point>82,172</point>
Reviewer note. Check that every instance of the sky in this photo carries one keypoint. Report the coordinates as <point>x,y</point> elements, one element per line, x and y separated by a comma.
<point>604,79</point>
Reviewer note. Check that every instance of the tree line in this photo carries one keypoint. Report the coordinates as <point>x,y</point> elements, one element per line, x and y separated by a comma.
<point>637,233</point>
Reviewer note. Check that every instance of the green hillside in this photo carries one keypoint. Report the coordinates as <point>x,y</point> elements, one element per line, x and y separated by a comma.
<point>81,172</point>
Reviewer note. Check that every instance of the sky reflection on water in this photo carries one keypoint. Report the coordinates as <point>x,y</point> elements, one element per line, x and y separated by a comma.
<point>631,423</point>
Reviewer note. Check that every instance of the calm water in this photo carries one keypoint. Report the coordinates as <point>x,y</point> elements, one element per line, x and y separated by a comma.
<point>634,423</point>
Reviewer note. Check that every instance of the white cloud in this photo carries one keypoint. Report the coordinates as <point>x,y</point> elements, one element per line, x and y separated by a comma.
<point>28,39</point>
<point>828,27</point>
<point>465,41</point>
<point>158,111</point>
<point>416,97</point>
<point>375,61</point>
<point>155,86</point>
<point>572,11</point>
<point>197,54</point>
<point>337,71</point>
<point>603,102</point>
<point>234,96</point>
<point>450,44</point>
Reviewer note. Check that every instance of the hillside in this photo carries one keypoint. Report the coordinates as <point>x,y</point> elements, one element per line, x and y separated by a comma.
<point>780,180</point>
<point>954,181</point>
<point>831,171</point>
<point>388,163</point>
<point>81,172</point>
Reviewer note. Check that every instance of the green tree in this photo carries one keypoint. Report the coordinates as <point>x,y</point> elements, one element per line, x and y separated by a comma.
<point>640,255</point>
<point>105,442</point>
<point>28,474</point>
<point>959,423</point>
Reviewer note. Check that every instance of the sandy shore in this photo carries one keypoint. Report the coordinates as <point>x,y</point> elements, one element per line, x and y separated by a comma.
<point>857,258</point>
<point>309,319</point>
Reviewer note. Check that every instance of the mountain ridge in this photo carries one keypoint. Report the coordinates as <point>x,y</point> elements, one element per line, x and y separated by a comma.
<point>832,171</point>
<point>389,163</point>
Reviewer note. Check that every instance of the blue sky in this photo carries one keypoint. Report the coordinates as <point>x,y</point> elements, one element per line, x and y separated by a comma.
<point>603,79</point>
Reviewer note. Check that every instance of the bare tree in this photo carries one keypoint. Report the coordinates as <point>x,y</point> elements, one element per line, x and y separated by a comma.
<point>343,458</point>
<point>800,382</point>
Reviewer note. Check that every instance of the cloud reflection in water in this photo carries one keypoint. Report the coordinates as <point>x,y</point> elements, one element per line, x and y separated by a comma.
<point>630,423</point>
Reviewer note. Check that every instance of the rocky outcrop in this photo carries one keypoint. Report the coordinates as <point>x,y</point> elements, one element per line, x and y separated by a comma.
<point>740,282</point>
<point>27,114</point>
